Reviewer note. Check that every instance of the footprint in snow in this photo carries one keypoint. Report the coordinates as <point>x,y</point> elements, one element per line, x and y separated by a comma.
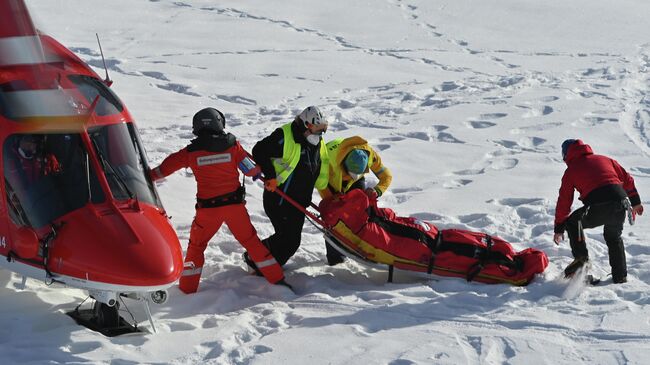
<point>504,164</point>
<point>469,172</point>
<point>641,170</point>
<point>530,144</point>
<point>538,112</point>
<point>236,99</point>
<point>210,323</point>
<point>344,104</point>
<point>448,86</point>
<point>181,326</point>
<point>480,124</point>
<point>429,217</point>
<point>453,184</point>
<point>156,75</point>
<point>177,88</point>
<point>478,220</point>
<point>493,115</point>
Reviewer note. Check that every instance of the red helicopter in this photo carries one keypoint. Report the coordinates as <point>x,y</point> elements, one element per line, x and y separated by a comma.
<point>77,206</point>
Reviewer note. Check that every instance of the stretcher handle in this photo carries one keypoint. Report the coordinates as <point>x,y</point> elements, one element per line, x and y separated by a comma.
<point>300,207</point>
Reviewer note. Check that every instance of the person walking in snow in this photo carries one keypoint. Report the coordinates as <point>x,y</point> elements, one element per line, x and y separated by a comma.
<point>606,191</point>
<point>293,159</point>
<point>350,159</point>
<point>215,158</point>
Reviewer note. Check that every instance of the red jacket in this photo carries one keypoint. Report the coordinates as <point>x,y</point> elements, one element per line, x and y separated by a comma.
<point>31,169</point>
<point>586,172</point>
<point>215,166</point>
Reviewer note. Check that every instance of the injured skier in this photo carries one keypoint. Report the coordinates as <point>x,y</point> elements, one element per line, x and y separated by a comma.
<point>373,235</point>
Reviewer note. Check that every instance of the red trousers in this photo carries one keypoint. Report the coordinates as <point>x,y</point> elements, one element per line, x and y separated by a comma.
<point>206,224</point>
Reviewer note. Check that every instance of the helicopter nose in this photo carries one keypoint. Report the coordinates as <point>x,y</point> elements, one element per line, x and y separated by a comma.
<point>132,249</point>
<point>156,255</point>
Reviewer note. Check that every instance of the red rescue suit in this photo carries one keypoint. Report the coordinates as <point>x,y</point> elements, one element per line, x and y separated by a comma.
<point>587,172</point>
<point>215,160</point>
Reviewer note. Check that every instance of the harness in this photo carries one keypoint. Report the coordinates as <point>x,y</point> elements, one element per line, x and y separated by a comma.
<point>236,197</point>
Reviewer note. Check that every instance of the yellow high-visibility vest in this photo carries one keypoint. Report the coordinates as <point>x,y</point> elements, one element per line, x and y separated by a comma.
<point>291,155</point>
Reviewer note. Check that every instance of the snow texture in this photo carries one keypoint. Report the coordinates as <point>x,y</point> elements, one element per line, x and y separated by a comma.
<point>467,103</point>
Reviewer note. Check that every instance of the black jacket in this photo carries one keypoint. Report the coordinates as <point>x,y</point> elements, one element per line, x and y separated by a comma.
<point>300,184</point>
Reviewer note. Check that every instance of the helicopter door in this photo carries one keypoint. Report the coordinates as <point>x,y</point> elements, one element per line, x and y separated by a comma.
<point>47,176</point>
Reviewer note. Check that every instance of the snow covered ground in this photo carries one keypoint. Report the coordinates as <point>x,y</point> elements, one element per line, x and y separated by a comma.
<point>467,102</point>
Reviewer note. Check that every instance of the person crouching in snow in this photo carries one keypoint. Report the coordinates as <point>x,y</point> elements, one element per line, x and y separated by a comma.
<point>215,158</point>
<point>604,188</point>
<point>350,159</point>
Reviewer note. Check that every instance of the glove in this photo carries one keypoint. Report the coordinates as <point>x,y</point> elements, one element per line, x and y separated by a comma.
<point>372,193</point>
<point>271,184</point>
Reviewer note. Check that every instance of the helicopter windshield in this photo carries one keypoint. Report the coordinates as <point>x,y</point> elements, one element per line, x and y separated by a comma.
<point>47,176</point>
<point>90,88</point>
<point>20,100</point>
<point>122,157</point>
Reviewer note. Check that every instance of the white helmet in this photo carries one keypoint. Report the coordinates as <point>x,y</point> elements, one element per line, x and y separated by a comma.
<point>313,119</point>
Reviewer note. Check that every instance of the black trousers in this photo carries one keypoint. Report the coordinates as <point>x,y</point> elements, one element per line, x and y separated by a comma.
<point>287,221</point>
<point>611,216</point>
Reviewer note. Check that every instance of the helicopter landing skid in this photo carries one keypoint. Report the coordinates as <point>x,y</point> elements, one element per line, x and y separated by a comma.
<point>103,319</point>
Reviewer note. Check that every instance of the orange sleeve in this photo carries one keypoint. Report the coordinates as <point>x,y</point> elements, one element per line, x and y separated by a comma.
<point>240,153</point>
<point>171,164</point>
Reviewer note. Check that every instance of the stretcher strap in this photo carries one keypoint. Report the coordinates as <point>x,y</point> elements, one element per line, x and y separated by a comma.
<point>402,230</point>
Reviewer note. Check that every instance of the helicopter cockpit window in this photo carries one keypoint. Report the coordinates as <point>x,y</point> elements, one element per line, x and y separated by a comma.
<point>47,176</point>
<point>18,104</point>
<point>121,155</point>
<point>90,88</point>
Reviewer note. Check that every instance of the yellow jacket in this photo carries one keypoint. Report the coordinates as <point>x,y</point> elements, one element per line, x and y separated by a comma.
<point>339,179</point>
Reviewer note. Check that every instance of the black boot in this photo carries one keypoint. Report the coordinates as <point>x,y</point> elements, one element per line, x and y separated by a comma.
<point>252,268</point>
<point>577,263</point>
<point>333,256</point>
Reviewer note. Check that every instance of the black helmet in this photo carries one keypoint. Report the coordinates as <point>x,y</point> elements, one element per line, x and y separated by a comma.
<point>565,147</point>
<point>209,119</point>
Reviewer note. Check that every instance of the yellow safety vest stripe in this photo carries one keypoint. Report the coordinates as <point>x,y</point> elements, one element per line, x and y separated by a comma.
<point>291,155</point>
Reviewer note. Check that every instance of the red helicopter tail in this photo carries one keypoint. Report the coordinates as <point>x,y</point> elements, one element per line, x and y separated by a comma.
<point>19,40</point>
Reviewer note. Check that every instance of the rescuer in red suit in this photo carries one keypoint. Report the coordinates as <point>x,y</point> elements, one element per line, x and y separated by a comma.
<point>215,158</point>
<point>607,192</point>
<point>30,162</point>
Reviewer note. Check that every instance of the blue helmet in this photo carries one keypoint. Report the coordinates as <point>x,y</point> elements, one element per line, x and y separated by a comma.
<point>565,147</point>
<point>356,161</point>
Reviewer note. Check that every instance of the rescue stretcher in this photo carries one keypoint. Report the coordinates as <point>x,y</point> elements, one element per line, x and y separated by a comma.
<point>377,238</point>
